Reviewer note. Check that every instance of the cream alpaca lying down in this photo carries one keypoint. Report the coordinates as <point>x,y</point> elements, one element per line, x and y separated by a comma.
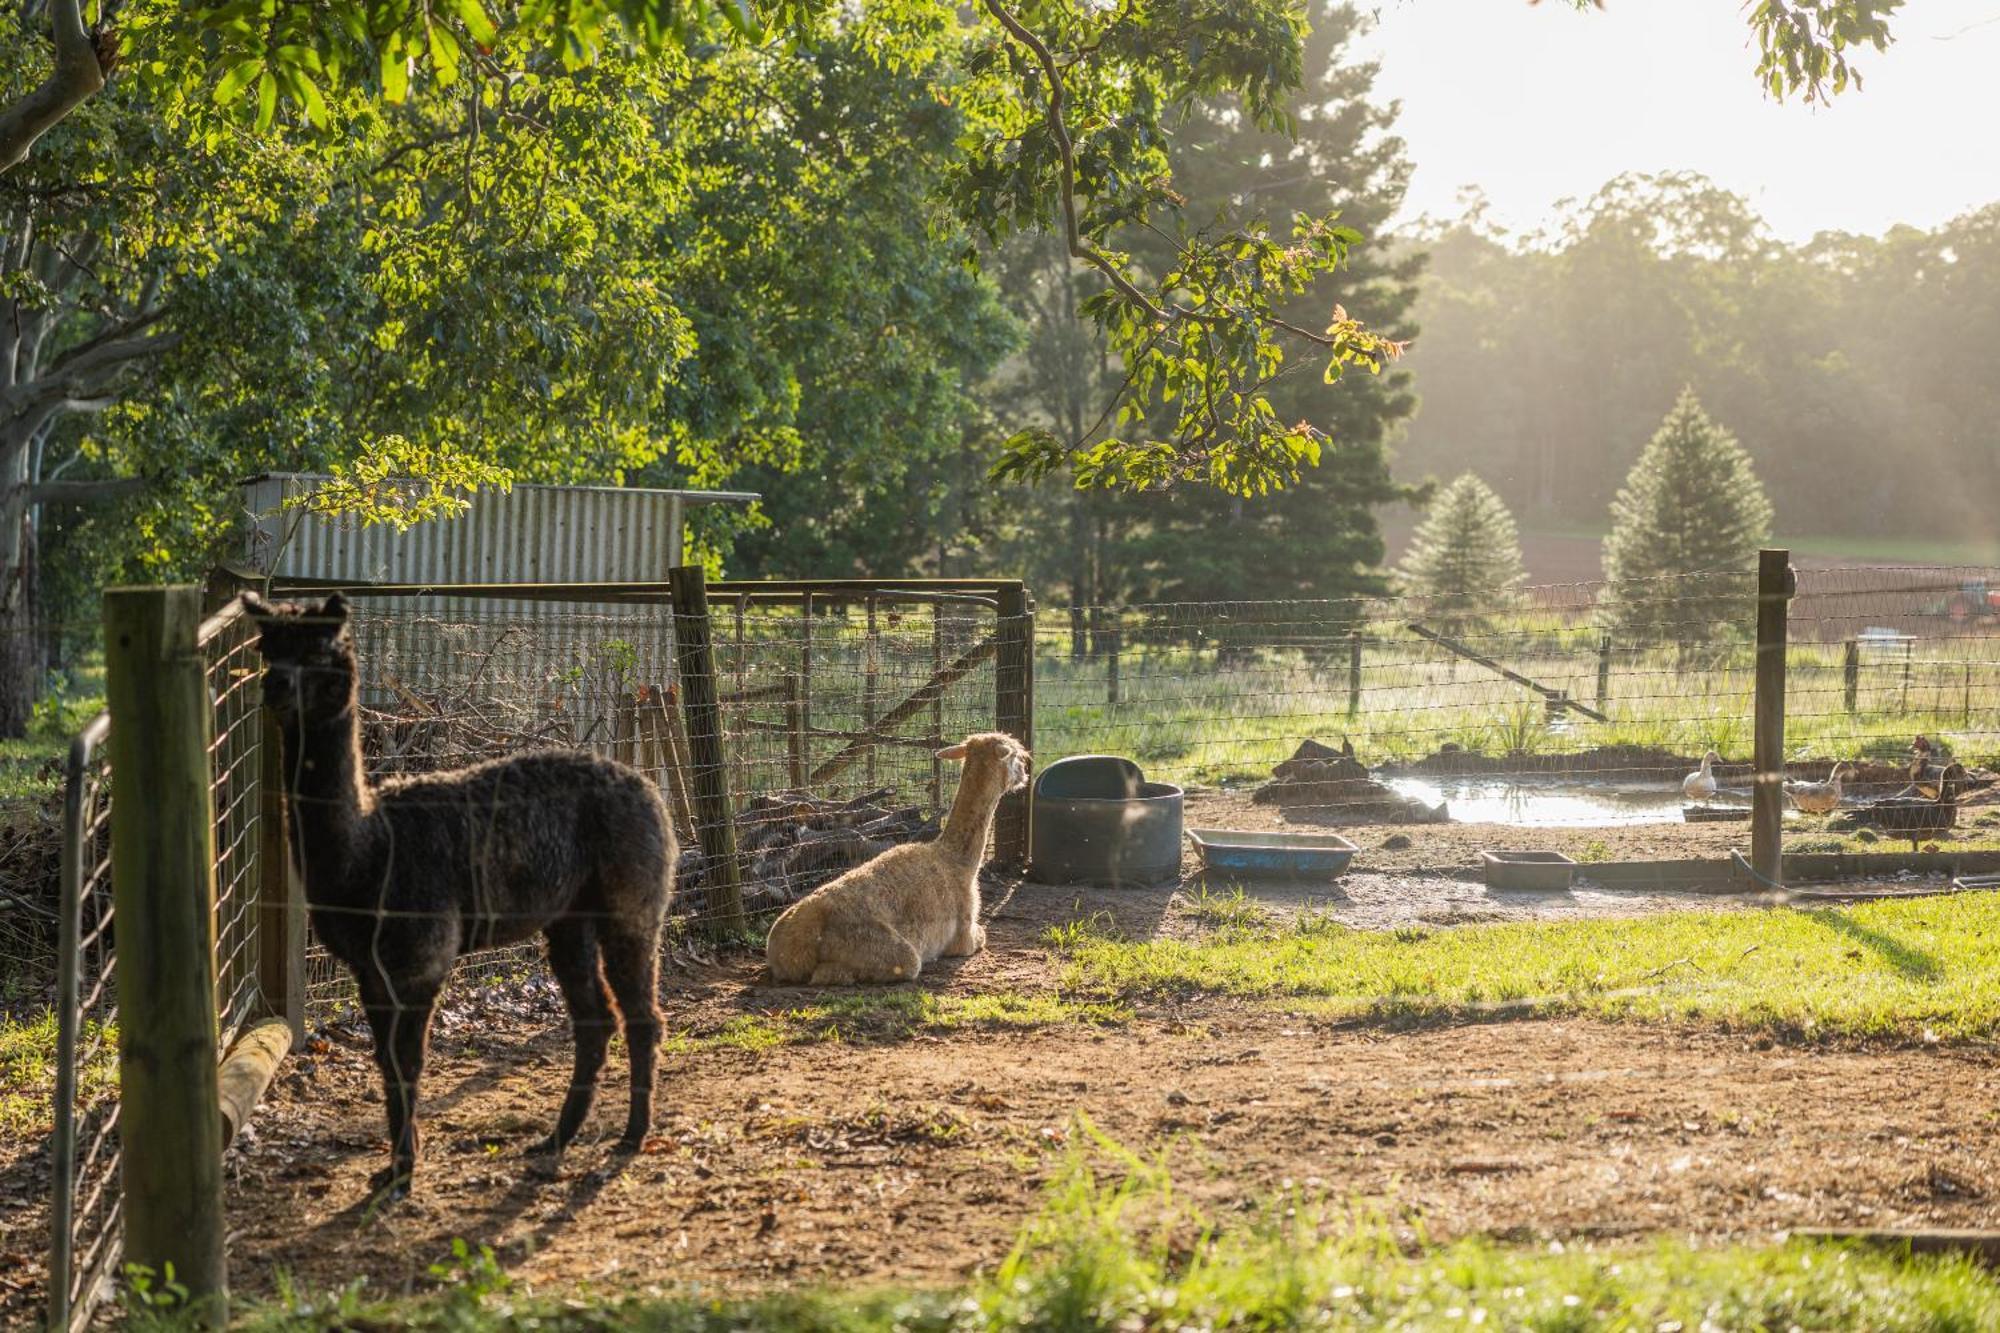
<point>884,920</point>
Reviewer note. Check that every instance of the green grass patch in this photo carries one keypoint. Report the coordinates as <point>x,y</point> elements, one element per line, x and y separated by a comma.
<point>31,766</point>
<point>894,1015</point>
<point>1114,1246</point>
<point>28,1071</point>
<point>1913,968</point>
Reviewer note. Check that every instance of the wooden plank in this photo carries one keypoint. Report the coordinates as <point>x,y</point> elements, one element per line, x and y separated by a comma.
<point>931,691</point>
<point>1775,584</point>
<point>1555,698</point>
<point>674,745</point>
<point>163,882</point>
<point>715,825</point>
<point>247,1072</point>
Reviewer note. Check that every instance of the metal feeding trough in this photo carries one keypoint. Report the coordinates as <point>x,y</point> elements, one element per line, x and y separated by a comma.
<point>1098,821</point>
<point>1298,855</point>
<point>1544,872</point>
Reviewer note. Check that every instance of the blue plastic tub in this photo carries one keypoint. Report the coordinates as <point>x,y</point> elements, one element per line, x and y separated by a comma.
<point>1298,855</point>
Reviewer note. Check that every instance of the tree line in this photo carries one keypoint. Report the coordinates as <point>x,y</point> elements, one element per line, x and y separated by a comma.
<point>1851,367</point>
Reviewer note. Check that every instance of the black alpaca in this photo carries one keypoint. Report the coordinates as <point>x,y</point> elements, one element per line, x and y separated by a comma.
<point>404,876</point>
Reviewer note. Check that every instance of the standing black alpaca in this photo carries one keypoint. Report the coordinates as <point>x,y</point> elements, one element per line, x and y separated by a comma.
<point>404,876</point>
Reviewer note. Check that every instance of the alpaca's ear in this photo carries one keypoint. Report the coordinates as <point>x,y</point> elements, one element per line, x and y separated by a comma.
<point>334,608</point>
<point>957,751</point>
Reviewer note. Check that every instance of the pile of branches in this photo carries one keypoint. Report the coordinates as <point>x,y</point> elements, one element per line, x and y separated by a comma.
<point>1322,785</point>
<point>428,731</point>
<point>792,842</point>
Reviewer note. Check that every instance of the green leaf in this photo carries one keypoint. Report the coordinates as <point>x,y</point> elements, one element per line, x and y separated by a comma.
<point>267,100</point>
<point>477,25</point>
<point>237,79</point>
<point>395,74</point>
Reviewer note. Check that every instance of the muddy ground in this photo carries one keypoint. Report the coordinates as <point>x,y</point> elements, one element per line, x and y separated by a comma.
<point>916,1158</point>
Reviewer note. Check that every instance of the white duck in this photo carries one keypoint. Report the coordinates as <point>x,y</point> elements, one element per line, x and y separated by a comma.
<point>1817,798</point>
<point>1700,784</point>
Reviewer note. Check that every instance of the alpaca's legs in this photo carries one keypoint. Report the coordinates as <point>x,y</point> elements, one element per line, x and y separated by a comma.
<point>871,953</point>
<point>399,1017</point>
<point>631,963</point>
<point>573,958</point>
<point>967,942</point>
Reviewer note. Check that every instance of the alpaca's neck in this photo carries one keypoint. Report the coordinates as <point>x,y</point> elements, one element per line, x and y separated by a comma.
<point>971,818</point>
<point>328,797</point>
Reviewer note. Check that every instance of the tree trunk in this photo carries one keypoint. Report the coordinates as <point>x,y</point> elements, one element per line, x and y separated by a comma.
<point>21,638</point>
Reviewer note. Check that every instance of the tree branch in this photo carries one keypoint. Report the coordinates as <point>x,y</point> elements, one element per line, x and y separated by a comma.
<point>1057,95</point>
<point>77,76</point>
<point>85,492</point>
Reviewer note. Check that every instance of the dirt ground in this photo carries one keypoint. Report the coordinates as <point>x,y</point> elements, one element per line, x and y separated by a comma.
<point>915,1160</point>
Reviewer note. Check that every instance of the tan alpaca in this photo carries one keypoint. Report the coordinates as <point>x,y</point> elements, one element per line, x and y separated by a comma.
<point>884,920</point>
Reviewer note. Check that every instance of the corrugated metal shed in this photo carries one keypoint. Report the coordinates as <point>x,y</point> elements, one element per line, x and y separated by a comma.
<point>531,534</point>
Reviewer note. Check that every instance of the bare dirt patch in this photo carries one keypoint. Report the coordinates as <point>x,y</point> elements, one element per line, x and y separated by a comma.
<point>914,1158</point>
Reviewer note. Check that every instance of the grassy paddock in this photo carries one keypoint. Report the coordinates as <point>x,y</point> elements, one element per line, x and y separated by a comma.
<point>1114,1247</point>
<point>1198,715</point>
<point>1920,968</point>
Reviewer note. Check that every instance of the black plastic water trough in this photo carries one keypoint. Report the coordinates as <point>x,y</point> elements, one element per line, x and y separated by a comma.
<point>1098,821</point>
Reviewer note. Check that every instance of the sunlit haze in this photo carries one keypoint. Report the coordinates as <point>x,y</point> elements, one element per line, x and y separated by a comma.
<point>1536,103</point>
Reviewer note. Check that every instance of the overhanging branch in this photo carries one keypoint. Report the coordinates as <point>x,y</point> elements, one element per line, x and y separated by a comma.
<point>85,492</point>
<point>77,76</point>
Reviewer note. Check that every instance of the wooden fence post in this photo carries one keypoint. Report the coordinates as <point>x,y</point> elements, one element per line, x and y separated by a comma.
<point>163,882</point>
<point>1775,585</point>
<point>1603,672</point>
<point>1014,712</point>
<point>281,895</point>
<point>694,654</point>
<point>1114,650</point>
<point>1850,673</point>
<point>1354,674</point>
<point>870,685</point>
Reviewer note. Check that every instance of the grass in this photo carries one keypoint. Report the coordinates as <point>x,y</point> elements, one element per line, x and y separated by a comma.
<point>30,767</point>
<point>28,1071</point>
<point>1115,1246</point>
<point>1919,968</point>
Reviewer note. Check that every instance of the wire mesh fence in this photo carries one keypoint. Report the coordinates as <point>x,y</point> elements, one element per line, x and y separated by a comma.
<point>227,642</point>
<point>831,707</point>
<point>84,1148</point>
<point>1571,706</point>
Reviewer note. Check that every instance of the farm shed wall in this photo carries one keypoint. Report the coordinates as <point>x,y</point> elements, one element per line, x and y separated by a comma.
<point>531,534</point>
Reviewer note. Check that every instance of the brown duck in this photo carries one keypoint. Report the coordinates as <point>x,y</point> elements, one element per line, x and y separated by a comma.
<point>1916,817</point>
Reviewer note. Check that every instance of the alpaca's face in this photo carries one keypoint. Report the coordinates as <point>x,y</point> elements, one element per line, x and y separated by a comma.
<point>308,665</point>
<point>1001,751</point>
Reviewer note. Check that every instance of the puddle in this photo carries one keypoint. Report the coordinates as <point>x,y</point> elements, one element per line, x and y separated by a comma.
<point>1555,804</point>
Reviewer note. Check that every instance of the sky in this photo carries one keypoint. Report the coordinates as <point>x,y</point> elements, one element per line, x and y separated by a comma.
<point>1535,103</point>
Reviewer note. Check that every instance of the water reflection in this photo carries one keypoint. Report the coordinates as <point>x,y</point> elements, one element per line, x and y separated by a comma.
<point>1555,803</point>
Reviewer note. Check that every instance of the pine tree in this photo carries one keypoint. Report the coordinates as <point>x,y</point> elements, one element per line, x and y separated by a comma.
<point>1684,535</point>
<point>1465,557</point>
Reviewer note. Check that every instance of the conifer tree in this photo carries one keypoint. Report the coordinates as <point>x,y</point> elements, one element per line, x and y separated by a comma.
<point>1464,560</point>
<point>1680,560</point>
